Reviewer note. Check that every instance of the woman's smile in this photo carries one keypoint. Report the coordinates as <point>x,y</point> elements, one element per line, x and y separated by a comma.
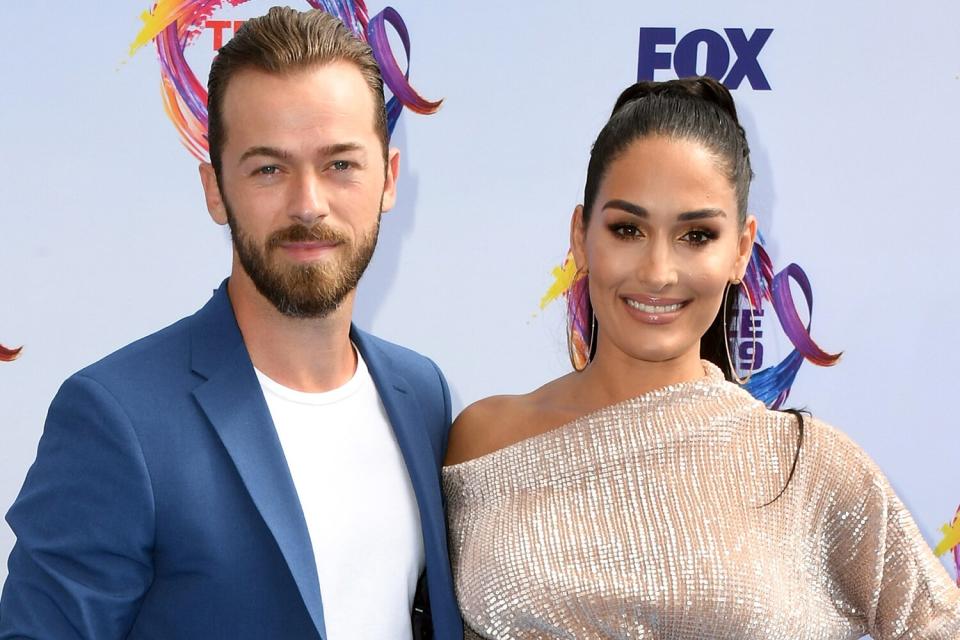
<point>652,309</point>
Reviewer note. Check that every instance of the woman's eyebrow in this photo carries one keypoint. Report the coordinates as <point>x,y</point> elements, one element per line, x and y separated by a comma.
<point>629,207</point>
<point>700,214</point>
<point>640,212</point>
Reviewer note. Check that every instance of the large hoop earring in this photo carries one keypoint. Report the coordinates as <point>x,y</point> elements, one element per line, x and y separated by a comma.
<point>580,363</point>
<point>578,350</point>
<point>726,339</point>
<point>593,337</point>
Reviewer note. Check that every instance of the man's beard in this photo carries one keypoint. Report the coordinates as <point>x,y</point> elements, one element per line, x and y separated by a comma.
<point>303,290</point>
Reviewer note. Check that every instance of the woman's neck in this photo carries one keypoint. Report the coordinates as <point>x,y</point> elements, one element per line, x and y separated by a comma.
<point>613,376</point>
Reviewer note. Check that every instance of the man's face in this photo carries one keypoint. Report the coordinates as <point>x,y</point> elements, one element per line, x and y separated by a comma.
<point>302,184</point>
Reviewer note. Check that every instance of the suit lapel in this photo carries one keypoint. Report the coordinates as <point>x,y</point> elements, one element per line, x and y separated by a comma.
<point>232,400</point>
<point>407,419</point>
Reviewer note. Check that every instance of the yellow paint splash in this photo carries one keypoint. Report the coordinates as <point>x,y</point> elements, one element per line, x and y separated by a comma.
<point>155,21</point>
<point>951,537</point>
<point>564,276</point>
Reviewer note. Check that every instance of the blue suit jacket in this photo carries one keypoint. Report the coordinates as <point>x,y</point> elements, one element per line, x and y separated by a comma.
<point>160,504</point>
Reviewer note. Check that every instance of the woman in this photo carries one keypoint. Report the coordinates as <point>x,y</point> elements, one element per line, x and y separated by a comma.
<point>646,496</point>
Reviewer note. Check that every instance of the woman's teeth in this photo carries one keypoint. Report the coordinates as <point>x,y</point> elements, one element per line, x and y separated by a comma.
<point>648,308</point>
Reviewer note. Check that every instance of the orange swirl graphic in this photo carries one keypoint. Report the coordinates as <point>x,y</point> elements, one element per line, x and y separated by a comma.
<point>7,355</point>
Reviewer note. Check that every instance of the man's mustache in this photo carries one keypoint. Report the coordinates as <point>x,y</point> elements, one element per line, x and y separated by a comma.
<point>302,233</point>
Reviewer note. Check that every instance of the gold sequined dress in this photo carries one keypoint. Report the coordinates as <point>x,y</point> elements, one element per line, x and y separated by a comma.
<point>645,519</point>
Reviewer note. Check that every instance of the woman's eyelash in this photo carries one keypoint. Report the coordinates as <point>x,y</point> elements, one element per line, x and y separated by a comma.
<point>624,230</point>
<point>700,236</point>
<point>695,237</point>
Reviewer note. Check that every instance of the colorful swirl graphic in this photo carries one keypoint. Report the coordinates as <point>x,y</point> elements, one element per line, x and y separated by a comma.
<point>174,24</point>
<point>9,355</point>
<point>951,542</point>
<point>956,547</point>
<point>771,385</point>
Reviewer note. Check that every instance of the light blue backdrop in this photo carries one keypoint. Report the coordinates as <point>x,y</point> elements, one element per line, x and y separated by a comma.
<point>104,236</point>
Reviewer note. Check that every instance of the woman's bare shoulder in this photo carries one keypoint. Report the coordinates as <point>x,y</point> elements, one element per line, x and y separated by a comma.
<point>499,421</point>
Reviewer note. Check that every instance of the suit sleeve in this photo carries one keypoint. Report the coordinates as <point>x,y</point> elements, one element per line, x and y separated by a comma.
<point>447,411</point>
<point>84,522</point>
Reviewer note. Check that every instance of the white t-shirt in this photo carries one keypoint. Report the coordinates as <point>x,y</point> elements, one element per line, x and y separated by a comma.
<point>358,502</point>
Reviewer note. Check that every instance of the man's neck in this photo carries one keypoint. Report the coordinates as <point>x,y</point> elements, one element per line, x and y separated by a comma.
<point>306,354</point>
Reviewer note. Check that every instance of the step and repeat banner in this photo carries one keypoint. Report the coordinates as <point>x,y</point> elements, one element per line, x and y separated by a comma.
<point>851,117</point>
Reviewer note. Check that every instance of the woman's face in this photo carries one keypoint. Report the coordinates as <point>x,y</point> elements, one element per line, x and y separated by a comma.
<point>660,247</point>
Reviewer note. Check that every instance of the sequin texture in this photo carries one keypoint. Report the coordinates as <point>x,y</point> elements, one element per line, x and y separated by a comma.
<point>645,519</point>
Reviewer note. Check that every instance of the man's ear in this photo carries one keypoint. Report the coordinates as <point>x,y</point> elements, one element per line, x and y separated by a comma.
<point>390,184</point>
<point>211,192</point>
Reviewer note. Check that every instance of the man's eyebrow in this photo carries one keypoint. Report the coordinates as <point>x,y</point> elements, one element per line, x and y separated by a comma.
<point>270,152</point>
<point>282,154</point>
<point>637,210</point>
<point>340,147</point>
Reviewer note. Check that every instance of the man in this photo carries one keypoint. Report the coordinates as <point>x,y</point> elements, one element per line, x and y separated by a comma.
<point>261,469</point>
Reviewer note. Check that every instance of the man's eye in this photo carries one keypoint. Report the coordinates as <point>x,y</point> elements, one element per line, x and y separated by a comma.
<point>340,165</point>
<point>268,170</point>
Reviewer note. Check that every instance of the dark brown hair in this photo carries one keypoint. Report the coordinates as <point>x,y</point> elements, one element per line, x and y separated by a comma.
<point>702,110</point>
<point>699,109</point>
<point>282,41</point>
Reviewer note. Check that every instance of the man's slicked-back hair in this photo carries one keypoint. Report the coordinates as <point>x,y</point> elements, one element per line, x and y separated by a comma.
<point>283,41</point>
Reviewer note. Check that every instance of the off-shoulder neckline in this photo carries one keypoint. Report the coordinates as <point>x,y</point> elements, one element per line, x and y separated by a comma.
<point>712,377</point>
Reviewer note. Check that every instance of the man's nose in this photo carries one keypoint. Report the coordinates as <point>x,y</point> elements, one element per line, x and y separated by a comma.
<point>308,199</point>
